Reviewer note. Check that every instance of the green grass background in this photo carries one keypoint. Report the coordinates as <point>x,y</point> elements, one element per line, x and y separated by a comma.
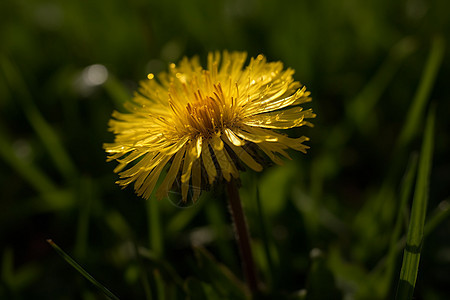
<point>333,222</point>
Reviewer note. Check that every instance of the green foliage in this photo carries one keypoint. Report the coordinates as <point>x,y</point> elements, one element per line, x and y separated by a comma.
<point>82,271</point>
<point>415,237</point>
<point>327,225</point>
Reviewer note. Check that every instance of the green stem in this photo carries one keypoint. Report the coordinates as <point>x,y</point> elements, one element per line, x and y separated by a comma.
<point>242,236</point>
<point>82,271</point>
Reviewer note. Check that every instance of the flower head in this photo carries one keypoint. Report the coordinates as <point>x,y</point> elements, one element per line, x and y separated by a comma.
<point>202,124</point>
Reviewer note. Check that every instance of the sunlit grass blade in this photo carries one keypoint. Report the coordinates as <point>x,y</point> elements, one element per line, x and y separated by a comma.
<point>82,271</point>
<point>417,108</point>
<point>384,279</point>
<point>45,132</point>
<point>414,240</point>
<point>381,208</point>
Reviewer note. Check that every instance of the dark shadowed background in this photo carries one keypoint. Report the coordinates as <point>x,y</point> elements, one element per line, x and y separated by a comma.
<point>66,65</point>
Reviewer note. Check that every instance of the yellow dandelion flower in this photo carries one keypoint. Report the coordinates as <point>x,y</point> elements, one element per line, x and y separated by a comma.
<point>202,124</point>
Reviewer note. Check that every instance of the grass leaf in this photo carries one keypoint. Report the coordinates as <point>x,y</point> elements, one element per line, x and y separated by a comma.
<point>82,271</point>
<point>384,281</point>
<point>414,241</point>
<point>415,113</point>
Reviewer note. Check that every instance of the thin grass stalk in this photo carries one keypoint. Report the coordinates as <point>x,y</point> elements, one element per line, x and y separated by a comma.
<point>82,271</point>
<point>414,240</point>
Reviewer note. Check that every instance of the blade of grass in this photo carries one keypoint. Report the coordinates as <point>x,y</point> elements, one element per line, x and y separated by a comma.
<point>441,213</point>
<point>385,278</point>
<point>415,113</point>
<point>82,271</point>
<point>380,207</point>
<point>45,132</point>
<point>414,240</point>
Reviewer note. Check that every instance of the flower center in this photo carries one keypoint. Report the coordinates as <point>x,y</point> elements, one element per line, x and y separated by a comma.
<point>205,117</point>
